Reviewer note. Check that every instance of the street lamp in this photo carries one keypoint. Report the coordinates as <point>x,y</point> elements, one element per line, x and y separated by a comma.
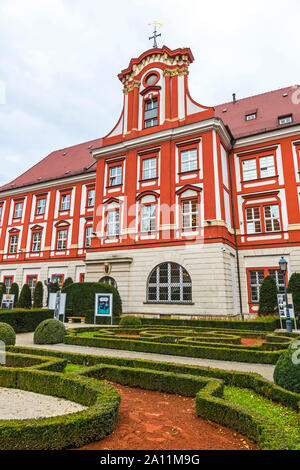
<point>283,267</point>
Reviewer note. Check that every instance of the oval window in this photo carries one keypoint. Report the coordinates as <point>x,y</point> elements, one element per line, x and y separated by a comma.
<point>151,79</point>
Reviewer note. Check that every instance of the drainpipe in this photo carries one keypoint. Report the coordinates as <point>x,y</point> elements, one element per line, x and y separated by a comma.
<point>234,230</point>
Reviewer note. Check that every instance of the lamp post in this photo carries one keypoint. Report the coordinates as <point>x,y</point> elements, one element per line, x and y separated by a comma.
<point>283,267</point>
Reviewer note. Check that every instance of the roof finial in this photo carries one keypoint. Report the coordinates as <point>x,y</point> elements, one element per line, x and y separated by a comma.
<point>155,35</point>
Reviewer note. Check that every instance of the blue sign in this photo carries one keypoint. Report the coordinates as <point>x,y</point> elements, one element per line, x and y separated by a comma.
<point>103,305</point>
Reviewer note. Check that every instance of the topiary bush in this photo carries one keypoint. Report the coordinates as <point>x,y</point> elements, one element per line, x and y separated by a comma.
<point>68,282</point>
<point>7,334</point>
<point>50,331</point>
<point>294,288</point>
<point>2,291</point>
<point>81,298</point>
<point>287,369</point>
<point>54,287</point>
<point>14,290</point>
<point>130,322</point>
<point>268,297</point>
<point>38,295</point>
<point>25,300</point>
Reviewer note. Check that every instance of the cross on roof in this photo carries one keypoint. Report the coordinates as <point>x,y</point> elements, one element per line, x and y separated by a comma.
<point>155,35</point>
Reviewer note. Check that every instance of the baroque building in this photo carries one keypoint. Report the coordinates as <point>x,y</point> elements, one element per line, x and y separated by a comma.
<point>184,207</point>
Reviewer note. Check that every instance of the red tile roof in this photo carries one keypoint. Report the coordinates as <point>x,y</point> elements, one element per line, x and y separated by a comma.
<point>269,106</point>
<point>59,164</point>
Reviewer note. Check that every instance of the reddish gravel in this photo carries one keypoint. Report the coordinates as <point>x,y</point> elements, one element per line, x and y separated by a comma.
<point>159,421</point>
<point>251,341</point>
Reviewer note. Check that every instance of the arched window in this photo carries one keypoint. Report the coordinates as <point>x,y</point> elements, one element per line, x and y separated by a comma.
<point>109,280</point>
<point>169,283</point>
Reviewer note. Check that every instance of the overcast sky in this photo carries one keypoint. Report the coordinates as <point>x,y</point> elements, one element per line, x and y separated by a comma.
<point>59,61</point>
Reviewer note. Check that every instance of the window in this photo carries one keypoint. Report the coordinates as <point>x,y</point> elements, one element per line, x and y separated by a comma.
<point>250,117</point>
<point>189,160</point>
<point>112,228</point>
<point>285,119</point>
<point>65,202</point>
<point>279,278</point>
<point>40,206</point>
<point>109,280</point>
<point>148,218</point>
<point>62,239</point>
<point>115,175</point>
<point>8,280</point>
<point>151,113</point>
<point>272,219</point>
<point>256,278</point>
<point>13,244</point>
<point>18,210</point>
<point>31,281</point>
<point>267,166</point>
<point>36,241</point>
<point>91,198</point>
<point>81,277</point>
<point>151,79</point>
<point>253,219</point>
<point>169,283</point>
<point>249,169</point>
<point>189,213</point>
<point>1,209</point>
<point>88,234</point>
<point>149,168</point>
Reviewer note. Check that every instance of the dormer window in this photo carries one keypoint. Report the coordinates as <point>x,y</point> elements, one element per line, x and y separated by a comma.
<point>250,117</point>
<point>151,113</point>
<point>285,119</point>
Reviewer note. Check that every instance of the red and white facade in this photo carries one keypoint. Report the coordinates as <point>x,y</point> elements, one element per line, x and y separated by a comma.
<point>184,207</point>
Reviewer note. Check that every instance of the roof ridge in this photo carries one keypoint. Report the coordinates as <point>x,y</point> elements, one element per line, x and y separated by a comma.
<point>259,94</point>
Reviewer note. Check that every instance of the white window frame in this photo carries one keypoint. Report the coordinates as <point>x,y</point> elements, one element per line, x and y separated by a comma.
<point>113,223</point>
<point>251,117</point>
<point>115,175</point>
<point>65,202</point>
<point>181,285</point>
<point>267,166</point>
<point>285,119</point>
<point>40,206</point>
<point>18,210</point>
<point>88,235</point>
<point>189,213</point>
<point>91,198</point>
<point>189,160</point>
<point>36,241</point>
<point>256,285</point>
<point>13,244</point>
<point>62,237</point>
<point>149,172</point>
<point>148,218</point>
<point>273,217</point>
<point>249,169</point>
<point>251,222</point>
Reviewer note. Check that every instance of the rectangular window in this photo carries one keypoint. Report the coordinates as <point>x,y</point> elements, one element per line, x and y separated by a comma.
<point>8,280</point>
<point>13,244</point>
<point>279,278</point>
<point>285,119</point>
<point>149,168</point>
<point>18,210</point>
<point>60,278</point>
<point>151,113</point>
<point>88,234</point>
<point>267,166</point>
<point>40,206</point>
<point>31,281</point>
<point>148,218</point>
<point>256,278</point>
<point>91,198</point>
<point>253,219</point>
<point>62,239</point>
<point>189,212</point>
<point>81,277</point>
<point>250,117</point>
<point>189,160</point>
<point>36,241</point>
<point>272,219</point>
<point>249,169</point>
<point>112,228</point>
<point>65,202</point>
<point>115,175</point>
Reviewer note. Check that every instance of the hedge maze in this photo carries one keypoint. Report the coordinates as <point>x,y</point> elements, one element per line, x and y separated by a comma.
<point>201,342</point>
<point>47,372</point>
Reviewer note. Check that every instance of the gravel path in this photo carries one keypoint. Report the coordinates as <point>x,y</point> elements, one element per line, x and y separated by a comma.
<point>26,339</point>
<point>19,404</point>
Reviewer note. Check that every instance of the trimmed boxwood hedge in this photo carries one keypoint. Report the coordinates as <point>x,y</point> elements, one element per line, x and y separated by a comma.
<point>81,299</point>
<point>35,362</point>
<point>287,370</point>
<point>75,429</point>
<point>24,320</point>
<point>7,334</point>
<point>50,331</point>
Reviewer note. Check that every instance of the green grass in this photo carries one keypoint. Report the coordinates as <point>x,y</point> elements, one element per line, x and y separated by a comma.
<point>72,367</point>
<point>287,419</point>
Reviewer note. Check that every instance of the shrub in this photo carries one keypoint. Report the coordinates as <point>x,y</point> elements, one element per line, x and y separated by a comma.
<point>7,334</point>
<point>14,290</point>
<point>81,298</point>
<point>50,331</point>
<point>268,297</point>
<point>2,291</point>
<point>24,321</point>
<point>54,287</point>
<point>294,288</point>
<point>25,300</point>
<point>130,322</point>
<point>287,369</point>
<point>68,282</point>
<point>38,295</point>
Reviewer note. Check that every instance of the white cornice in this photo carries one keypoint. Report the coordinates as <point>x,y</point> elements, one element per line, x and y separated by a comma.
<point>48,184</point>
<point>173,133</point>
<point>267,136</point>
